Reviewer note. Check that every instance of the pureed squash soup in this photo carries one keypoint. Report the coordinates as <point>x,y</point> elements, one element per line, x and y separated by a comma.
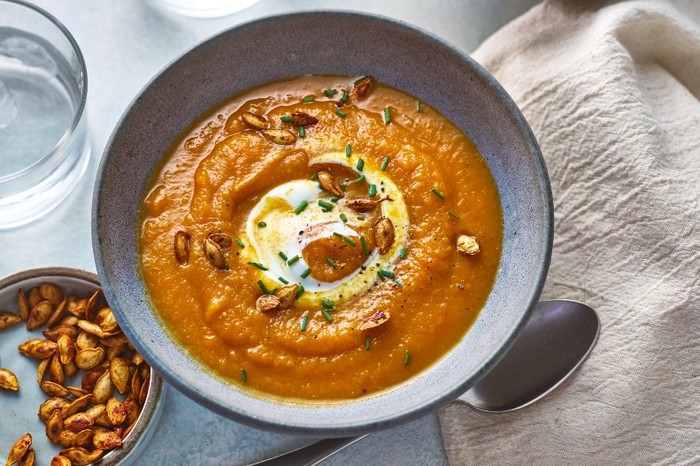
<point>321,238</point>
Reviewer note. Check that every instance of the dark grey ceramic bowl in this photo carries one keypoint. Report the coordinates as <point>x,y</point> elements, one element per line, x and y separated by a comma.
<point>341,44</point>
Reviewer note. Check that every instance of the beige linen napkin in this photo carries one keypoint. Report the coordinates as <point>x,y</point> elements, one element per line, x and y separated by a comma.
<point>611,93</point>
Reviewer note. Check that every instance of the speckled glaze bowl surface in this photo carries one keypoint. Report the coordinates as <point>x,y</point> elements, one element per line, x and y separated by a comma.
<point>338,43</point>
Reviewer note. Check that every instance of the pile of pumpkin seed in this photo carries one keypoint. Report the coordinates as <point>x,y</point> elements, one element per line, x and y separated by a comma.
<point>81,337</point>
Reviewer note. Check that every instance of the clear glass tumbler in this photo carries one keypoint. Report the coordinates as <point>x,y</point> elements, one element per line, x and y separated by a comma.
<point>44,147</point>
<point>204,8</point>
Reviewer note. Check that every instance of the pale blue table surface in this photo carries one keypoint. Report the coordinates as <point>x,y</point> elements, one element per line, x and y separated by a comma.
<point>125,43</point>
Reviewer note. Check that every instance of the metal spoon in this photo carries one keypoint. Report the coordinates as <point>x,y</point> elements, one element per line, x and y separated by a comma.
<point>552,345</point>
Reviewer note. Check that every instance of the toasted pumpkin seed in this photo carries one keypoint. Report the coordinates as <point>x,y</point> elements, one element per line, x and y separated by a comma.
<point>8,380</point>
<point>68,438</point>
<point>22,305</point>
<point>182,247</point>
<point>254,120</point>
<point>28,459</point>
<point>222,239</point>
<point>88,358</point>
<point>55,332</point>
<point>383,235</point>
<point>365,205</point>
<point>303,119</point>
<point>41,369</point>
<point>91,304</point>
<point>57,314</point>
<point>78,422</point>
<point>79,456</point>
<point>56,370</point>
<point>51,293</point>
<point>132,409</point>
<point>109,322</point>
<point>213,252</point>
<point>38,348</point>
<point>99,414</point>
<point>330,184</point>
<point>76,406</point>
<point>467,245</point>
<point>86,340</point>
<point>375,320</point>
<point>286,295</point>
<point>33,298</point>
<point>60,460</point>
<point>53,389</point>
<point>280,136</point>
<point>54,426</point>
<point>70,369</point>
<point>66,348</point>
<point>119,372</point>
<point>50,405</point>
<point>18,450</point>
<point>39,315</point>
<point>103,389</point>
<point>363,87</point>
<point>116,411</point>
<point>106,440</point>
<point>267,303</point>
<point>77,391</point>
<point>8,319</point>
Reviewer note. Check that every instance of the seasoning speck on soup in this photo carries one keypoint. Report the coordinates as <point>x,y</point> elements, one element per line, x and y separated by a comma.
<point>321,238</point>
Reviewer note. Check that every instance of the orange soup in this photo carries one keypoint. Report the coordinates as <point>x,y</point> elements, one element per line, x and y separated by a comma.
<point>321,238</point>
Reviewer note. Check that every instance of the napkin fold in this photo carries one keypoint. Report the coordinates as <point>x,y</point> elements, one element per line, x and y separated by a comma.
<point>612,92</point>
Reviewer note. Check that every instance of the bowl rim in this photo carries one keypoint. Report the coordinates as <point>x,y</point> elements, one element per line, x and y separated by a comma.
<point>341,427</point>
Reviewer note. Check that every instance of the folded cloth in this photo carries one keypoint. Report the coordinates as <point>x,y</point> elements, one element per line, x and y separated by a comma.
<point>611,91</point>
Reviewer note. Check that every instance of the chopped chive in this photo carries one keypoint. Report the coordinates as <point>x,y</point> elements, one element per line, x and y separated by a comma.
<point>326,315</point>
<point>452,214</point>
<point>325,204</point>
<point>330,262</point>
<point>398,283</point>
<point>348,150</point>
<point>314,176</point>
<point>302,132</point>
<point>360,217</point>
<point>283,256</point>
<point>344,218</point>
<point>330,92</point>
<point>300,208</point>
<point>360,179</point>
<point>385,162</point>
<point>308,98</point>
<point>240,243</point>
<point>327,303</point>
<point>344,97</point>
<point>344,187</point>
<point>437,193</point>
<point>244,376</point>
<point>283,280</point>
<point>341,113</point>
<point>349,241</point>
<point>387,115</point>
<point>407,359</point>
<point>306,273</point>
<point>387,273</point>
<point>292,260</point>
<point>304,321</point>
<point>364,245</point>
<point>262,224</point>
<point>419,106</point>
<point>339,235</point>
<point>286,119</point>
<point>360,164</point>
<point>372,190</point>
<point>300,292</point>
<point>402,253</point>
<point>258,265</point>
<point>335,199</point>
<point>367,342</point>
<point>379,274</point>
<point>262,286</point>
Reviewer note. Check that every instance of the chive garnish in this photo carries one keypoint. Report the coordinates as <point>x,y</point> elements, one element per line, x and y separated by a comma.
<point>367,342</point>
<point>335,199</point>
<point>341,113</point>
<point>304,321</point>
<point>345,238</point>
<point>262,286</point>
<point>379,274</point>
<point>344,97</point>
<point>398,283</point>
<point>344,187</point>
<point>407,359</point>
<point>240,243</point>
<point>437,193</point>
<point>331,262</point>
<point>326,315</point>
<point>402,253</point>
<point>262,224</point>
<point>302,132</point>
<point>419,106</point>
<point>330,92</point>
<point>283,280</point>
<point>360,179</point>
<point>244,376</point>
<point>372,190</point>
<point>360,217</point>
<point>387,273</point>
<point>360,164</point>
<point>283,256</point>
<point>300,292</point>
<point>344,218</point>
<point>314,176</point>
<point>306,273</point>
<point>364,245</point>
<point>385,162</point>
<point>302,205</point>
<point>325,204</point>
<point>292,260</point>
<point>452,214</point>
<point>286,119</point>
<point>387,115</point>
<point>258,265</point>
<point>308,98</point>
<point>327,303</point>
<point>348,150</point>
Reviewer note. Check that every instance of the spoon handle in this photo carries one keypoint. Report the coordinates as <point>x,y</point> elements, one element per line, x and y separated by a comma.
<point>312,454</point>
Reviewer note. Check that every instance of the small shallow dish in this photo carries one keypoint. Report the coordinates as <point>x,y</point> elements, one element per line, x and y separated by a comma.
<point>19,409</point>
<point>326,43</point>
